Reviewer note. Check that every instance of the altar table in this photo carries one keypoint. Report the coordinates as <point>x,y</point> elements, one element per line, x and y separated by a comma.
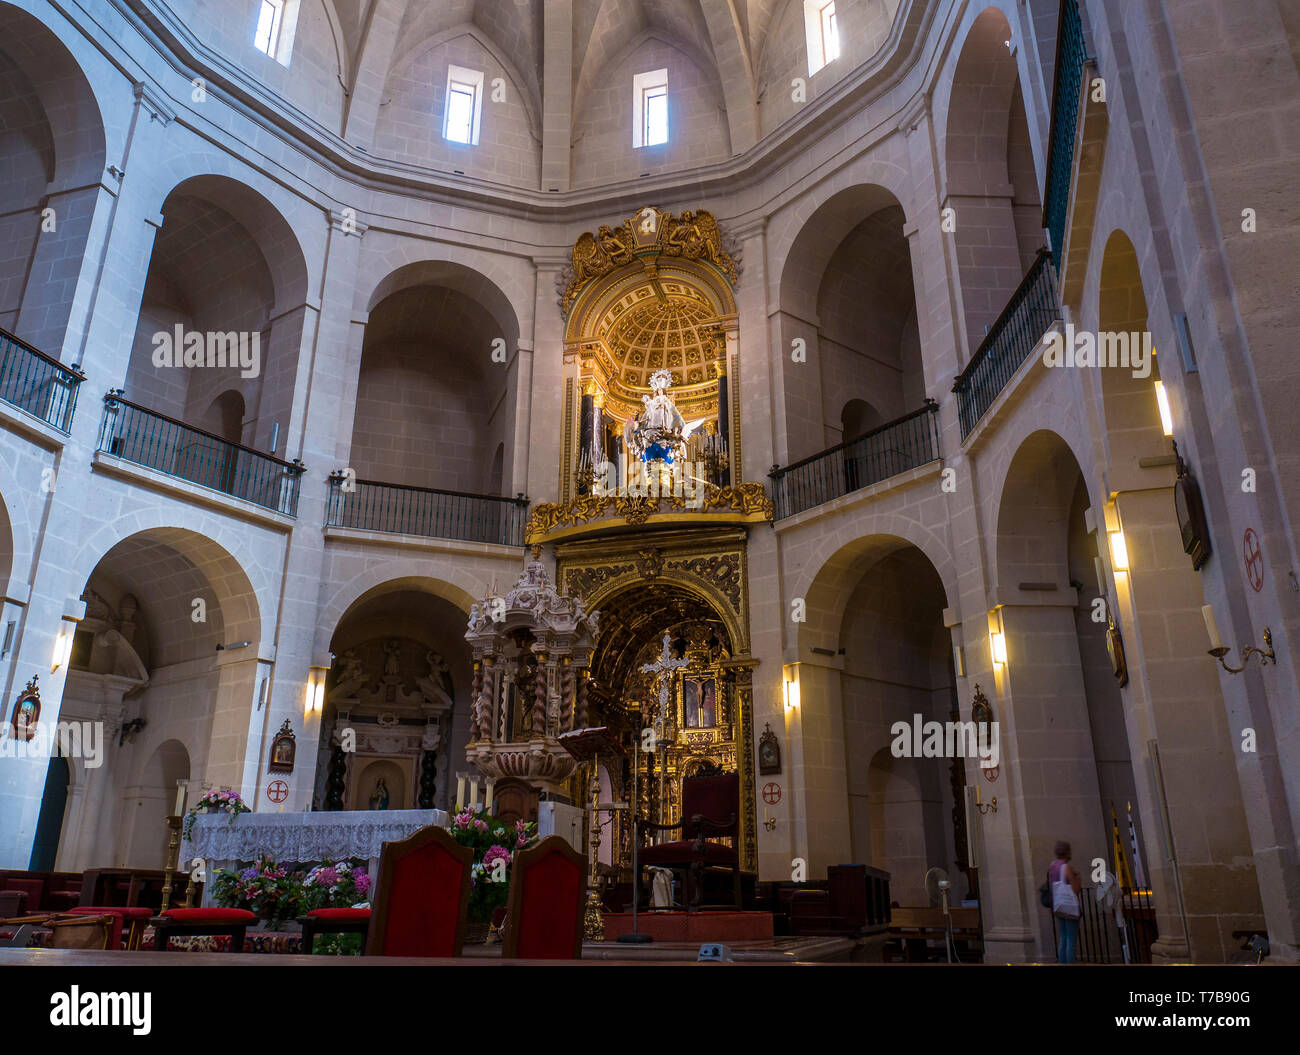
<point>299,838</point>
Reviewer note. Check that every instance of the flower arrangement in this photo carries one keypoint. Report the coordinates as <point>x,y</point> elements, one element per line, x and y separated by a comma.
<point>267,889</point>
<point>338,885</point>
<point>216,801</point>
<point>495,843</point>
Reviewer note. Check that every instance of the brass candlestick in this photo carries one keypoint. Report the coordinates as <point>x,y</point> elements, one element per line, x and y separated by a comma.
<point>593,922</point>
<point>173,856</point>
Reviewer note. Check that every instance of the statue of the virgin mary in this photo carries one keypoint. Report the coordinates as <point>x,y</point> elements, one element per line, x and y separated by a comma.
<point>659,432</point>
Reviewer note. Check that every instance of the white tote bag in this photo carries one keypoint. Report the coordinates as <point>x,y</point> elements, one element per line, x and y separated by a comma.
<point>1064,902</point>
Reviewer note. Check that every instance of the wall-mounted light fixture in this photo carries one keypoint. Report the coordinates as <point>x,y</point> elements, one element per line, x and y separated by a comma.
<point>63,645</point>
<point>1166,414</point>
<point>998,646</point>
<point>959,660</point>
<point>1218,649</point>
<point>74,611</point>
<point>1118,551</point>
<point>315,696</point>
<point>791,676</point>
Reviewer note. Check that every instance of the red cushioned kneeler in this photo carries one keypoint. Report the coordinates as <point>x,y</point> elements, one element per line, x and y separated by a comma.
<point>421,896</point>
<point>182,922</point>
<point>333,921</point>
<point>547,887</point>
<point>340,913</point>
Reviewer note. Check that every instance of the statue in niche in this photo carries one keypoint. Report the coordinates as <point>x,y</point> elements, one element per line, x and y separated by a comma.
<point>392,658</point>
<point>439,671</point>
<point>351,674</point>
<point>436,685</point>
<point>379,797</point>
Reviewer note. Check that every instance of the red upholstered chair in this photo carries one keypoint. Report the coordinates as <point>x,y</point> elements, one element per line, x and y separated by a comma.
<point>421,896</point>
<point>182,922</point>
<point>333,921</point>
<point>710,809</point>
<point>548,884</point>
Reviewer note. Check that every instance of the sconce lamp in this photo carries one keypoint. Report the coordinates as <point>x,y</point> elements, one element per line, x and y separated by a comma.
<point>1166,414</point>
<point>791,689</point>
<point>1118,551</point>
<point>985,807</point>
<point>63,645</point>
<point>315,699</point>
<point>1218,649</point>
<point>998,646</point>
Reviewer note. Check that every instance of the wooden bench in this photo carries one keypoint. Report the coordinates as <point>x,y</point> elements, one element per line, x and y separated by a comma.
<point>912,930</point>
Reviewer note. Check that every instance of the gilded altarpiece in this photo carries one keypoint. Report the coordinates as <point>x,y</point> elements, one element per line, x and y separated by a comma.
<point>696,581</point>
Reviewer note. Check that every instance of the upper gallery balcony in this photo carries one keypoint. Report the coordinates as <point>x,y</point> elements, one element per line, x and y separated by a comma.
<point>367,505</point>
<point>32,381</point>
<point>1029,314</point>
<point>155,441</point>
<point>893,448</point>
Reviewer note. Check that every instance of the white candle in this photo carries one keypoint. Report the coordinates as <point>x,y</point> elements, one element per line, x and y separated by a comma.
<point>487,807</point>
<point>1211,628</point>
<point>460,792</point>
<point>180,799</point>
<point>473,792</point>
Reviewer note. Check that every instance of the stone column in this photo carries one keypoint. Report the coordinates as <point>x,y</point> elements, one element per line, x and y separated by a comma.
<point>1174,699</point>
<point>1048,787</point>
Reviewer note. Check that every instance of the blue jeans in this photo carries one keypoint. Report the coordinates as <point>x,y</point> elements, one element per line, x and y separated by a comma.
<point>1067,939</point>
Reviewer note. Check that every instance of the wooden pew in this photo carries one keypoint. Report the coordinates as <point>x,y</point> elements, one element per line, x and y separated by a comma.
<point>913,929</point>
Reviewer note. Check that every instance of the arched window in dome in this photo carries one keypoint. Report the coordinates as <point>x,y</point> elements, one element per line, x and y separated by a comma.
<point>650,108</point>
<point>823,30</point>
<point>277,21</point>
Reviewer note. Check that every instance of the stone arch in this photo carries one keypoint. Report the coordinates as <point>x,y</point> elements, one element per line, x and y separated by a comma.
<point>477,277</point>
<point>267,225</point>
<point>207,547</point>
<point>827,581</point>
<point>987,170</point>
<point>1036,493</point>
<point>846,293</point>
<point>1129,409</point>
<point>434,382</point>
<point>152,801</point>
<point>227,262</point>
<point>453,583</point>
<point>52,152</point>
<point>876,650</point>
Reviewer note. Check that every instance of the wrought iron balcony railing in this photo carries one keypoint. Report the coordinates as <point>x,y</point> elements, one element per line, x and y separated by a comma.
<point>893,448</point>
<point>426,511</point>
<point>1029,314</point>
<point>30,380</point>
<point>1071,54</point>
<point>156,441</point>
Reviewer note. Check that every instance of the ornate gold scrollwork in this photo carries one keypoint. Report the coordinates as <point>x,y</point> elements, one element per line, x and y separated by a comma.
<point>648,232</point>
<point>747,499</point>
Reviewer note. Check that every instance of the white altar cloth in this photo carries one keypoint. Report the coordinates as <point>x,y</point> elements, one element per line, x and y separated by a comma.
<point>299,838</point>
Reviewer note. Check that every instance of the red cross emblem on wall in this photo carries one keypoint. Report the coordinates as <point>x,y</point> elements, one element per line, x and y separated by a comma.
<point>772,793</point>
<point>1254,558</point>
<point>277,791</point>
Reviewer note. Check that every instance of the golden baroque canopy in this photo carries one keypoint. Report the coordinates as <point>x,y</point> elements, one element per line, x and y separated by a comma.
<point>650,232</point>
